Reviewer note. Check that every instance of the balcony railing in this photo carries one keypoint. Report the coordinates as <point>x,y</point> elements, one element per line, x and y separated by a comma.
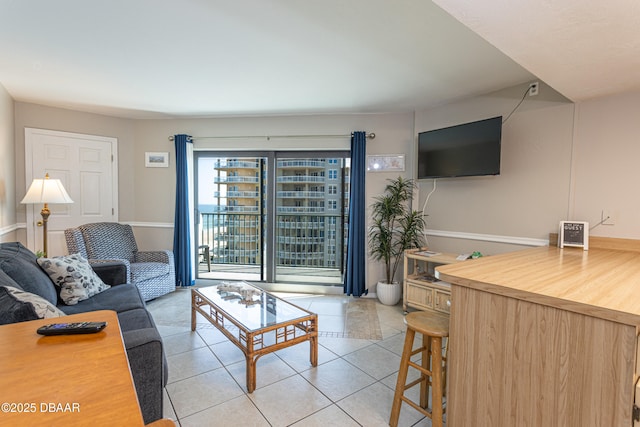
<point>301,240</point>
<point>235,164</point>
<point>242,209</point>
<point>300,178</point>
<point>300,209</point>
<point>301,194</point>
<point>237,194</point>
<point>301,225</point>
<point>320,163</point>
<point>296,240</point>
<point>297,256</point>
<point>234,179</point>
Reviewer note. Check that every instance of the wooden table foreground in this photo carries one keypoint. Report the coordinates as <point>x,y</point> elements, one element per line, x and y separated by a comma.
<point>67,380</point>
<point>545,336</point>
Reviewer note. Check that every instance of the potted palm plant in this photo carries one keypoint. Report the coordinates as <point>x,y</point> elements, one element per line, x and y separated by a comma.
<point>396,228</point>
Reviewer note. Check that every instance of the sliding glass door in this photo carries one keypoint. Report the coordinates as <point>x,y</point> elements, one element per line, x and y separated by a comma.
<point>230,200</point>
<point>272,216</point>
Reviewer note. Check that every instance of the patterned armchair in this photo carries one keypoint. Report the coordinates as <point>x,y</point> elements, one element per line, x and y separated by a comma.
<point>153,272</point>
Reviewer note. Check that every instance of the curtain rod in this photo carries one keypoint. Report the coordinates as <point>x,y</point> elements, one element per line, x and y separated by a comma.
<point>269,137</point>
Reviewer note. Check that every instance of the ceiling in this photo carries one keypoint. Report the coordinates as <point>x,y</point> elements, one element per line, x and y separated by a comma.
<point>208,58</point>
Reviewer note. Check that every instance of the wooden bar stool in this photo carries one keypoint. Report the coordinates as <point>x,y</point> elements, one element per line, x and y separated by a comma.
<point>433,327</point>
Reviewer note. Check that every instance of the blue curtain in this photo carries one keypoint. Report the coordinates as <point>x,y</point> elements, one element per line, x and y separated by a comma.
<point>181,230</point>
<point>354,283</point>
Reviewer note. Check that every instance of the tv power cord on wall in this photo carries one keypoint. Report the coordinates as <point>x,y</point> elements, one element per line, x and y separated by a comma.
<point>424,209</point>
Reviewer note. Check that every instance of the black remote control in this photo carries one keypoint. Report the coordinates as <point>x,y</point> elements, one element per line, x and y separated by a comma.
<point>72,328</point>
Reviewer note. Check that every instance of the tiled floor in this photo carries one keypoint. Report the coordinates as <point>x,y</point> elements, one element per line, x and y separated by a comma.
<point>352,385</point>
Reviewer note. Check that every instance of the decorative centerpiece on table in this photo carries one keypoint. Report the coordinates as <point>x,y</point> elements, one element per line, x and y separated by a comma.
<point>237,290</point>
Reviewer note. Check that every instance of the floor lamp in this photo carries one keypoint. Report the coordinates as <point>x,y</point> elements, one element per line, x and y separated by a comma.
<point>46,191</point>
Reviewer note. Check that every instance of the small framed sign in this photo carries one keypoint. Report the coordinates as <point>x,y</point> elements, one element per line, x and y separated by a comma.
<point>156,160</point>
<point>385,163</point>
<point>574,233</point>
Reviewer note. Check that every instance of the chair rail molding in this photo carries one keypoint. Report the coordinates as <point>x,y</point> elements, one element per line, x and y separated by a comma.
<point>149,224</point>
<point>514,240</point>
<point>11,228</point>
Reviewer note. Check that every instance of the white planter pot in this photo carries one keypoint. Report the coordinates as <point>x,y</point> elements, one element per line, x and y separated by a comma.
<point>389,293</point>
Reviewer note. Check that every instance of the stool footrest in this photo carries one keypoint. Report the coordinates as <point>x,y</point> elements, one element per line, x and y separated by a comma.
<point>420,368</point>
<point>414,383</point>
<point>423,411</point>
<point>419,350</point>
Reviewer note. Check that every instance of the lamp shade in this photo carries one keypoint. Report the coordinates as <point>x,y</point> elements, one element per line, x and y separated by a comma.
<point>46,191</point>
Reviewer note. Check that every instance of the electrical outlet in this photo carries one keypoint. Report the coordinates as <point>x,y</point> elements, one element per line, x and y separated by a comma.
<point>533,89</point>
<point>607,217</point>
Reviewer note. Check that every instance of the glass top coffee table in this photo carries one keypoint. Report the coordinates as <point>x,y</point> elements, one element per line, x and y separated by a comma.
<point>255,321</point>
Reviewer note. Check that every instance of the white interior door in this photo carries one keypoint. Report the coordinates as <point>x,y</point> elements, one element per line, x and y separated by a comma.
<point>87,167</point>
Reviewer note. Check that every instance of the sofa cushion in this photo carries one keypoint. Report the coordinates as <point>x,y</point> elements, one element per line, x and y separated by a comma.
<point>6,280</point>
<point>74,276</point>
<point>141,271</point>
<point>135,319</point>
<point>21,306</point>
<point>20,264</point>
<point>118,298</point>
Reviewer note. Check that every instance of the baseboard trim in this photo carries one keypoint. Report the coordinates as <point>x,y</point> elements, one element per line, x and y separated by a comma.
<point>513,240</point>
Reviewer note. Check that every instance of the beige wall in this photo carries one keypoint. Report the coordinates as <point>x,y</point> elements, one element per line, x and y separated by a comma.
<point>559,161</point>
<point>529,197</point>
<point>147,195</point>
<point>7,168</point>
<point>43,117</point>
<point>607,172</point>
<point>394,135</point>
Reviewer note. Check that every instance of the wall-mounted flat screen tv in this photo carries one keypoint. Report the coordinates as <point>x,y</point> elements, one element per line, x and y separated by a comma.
<point>469,149</point>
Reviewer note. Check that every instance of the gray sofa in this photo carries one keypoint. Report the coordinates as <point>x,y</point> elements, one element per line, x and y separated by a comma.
<point>20,270</point>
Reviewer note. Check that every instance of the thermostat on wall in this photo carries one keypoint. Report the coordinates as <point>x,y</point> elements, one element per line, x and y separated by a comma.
<point>574,233</point>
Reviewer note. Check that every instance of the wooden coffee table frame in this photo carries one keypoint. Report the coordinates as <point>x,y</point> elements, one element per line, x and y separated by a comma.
<point>252,342</point>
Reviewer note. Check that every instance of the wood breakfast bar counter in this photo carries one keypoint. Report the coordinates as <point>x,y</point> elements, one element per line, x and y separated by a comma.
<point>545,336</point>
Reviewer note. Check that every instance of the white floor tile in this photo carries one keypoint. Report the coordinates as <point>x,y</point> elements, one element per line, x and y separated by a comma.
<point>288,401</point>
<point>371,407</point>
<point>343,346</point>
<point>298,356</point>
<point>211,335</point>
<point>191,363</point>
<point>181,343</point>
<point>233,413</point>
<point>198,393</point>
<point>338,379</point>
<point>227,352</point>
<point>352,385</point>
<point>269,369</point>
<point>375,361</point>
<point>327,417</point>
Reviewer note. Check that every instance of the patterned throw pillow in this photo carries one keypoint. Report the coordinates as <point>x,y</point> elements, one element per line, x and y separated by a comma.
<point>74,276</point>
<point>21,306</point>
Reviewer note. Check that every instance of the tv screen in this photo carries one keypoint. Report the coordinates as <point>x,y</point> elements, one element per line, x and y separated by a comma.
<point>470,149</point>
